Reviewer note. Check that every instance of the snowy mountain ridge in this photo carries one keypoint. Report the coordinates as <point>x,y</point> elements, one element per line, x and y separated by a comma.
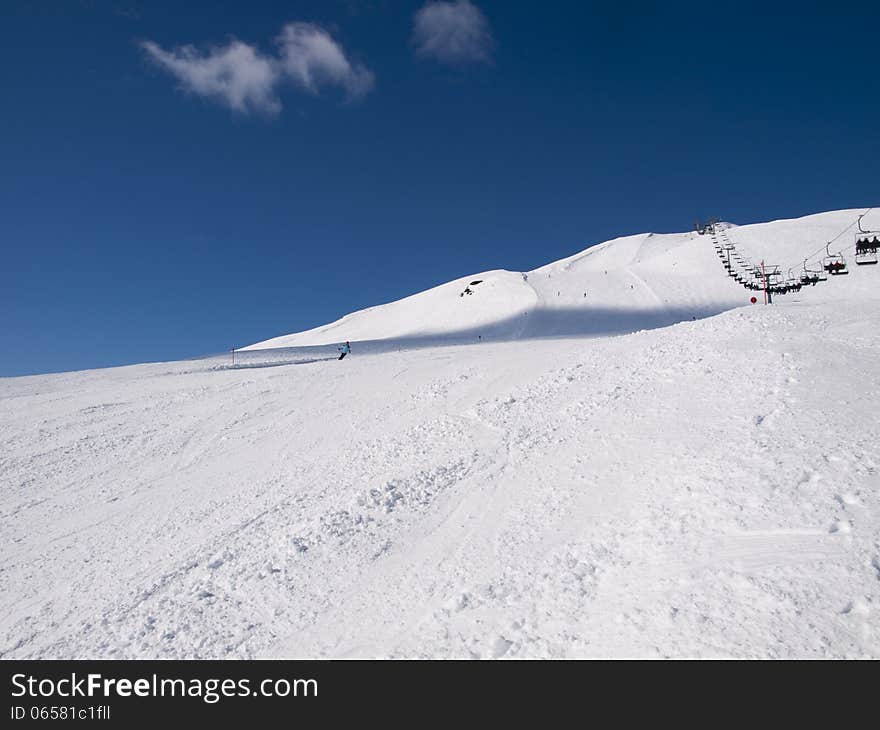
<point>628,283</point>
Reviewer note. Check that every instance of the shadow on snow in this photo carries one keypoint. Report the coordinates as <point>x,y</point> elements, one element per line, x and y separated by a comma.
<point>534,325</point>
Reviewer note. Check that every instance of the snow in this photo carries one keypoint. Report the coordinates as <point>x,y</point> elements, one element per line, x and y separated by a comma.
<point>647,280</point>
<point>709,488</point>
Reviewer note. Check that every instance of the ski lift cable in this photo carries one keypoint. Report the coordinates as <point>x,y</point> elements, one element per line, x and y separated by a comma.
<point>824,248</point>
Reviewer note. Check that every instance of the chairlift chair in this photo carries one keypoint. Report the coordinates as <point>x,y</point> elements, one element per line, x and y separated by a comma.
<point>867,243</point>
<point>773,280</point>
<point>783,286</point>
<point>834,263</point>
<point>775,283</point>
<point>812,276</point>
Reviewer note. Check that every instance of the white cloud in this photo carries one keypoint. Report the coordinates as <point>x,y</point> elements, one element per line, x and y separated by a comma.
<point>311,58</point>
<point>236,74</point>
<point>245,80</point>
<point>452,32</point>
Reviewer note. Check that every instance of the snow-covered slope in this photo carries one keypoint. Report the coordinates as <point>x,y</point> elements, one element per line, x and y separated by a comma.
<point>706,489</point>
<point>709,489</point>
<point>623,285</point>
<point>502,296</point>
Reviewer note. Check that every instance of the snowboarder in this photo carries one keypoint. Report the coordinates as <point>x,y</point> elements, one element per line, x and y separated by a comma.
<point>344,349</point>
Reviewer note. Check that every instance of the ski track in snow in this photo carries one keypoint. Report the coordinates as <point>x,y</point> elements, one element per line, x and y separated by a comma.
<point>707,489</point>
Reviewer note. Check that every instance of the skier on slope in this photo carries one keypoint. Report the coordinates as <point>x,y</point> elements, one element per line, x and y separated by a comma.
<point>344,349</point>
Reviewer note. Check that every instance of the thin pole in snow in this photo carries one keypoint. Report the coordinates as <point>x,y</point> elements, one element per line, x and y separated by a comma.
<point>768,295</point>
<point>764,277</point>
<point>233,357</point>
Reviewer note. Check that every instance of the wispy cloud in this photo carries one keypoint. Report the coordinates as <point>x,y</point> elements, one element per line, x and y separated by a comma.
<point>130,13</point>
<point>242,78</point>
<point>453,32</point>
<point>311,58</point>
<point>236,75</point>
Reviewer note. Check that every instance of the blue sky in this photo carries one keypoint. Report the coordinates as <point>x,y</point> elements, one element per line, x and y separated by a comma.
<point>180,178</point>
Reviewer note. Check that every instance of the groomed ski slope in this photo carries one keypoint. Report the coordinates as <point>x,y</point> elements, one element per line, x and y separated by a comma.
<point>708,489</point>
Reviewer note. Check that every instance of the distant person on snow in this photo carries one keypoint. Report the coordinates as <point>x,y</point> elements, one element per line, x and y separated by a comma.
<point>344,349</point>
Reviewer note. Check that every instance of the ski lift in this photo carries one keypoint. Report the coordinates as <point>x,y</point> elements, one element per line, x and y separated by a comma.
<point>834,263</point>
<point>867,243</point>
<point>866,249</point>
<point>782,285</point>
<point>812,276</point>
<point>707,227</point>
<point>772,280</point>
